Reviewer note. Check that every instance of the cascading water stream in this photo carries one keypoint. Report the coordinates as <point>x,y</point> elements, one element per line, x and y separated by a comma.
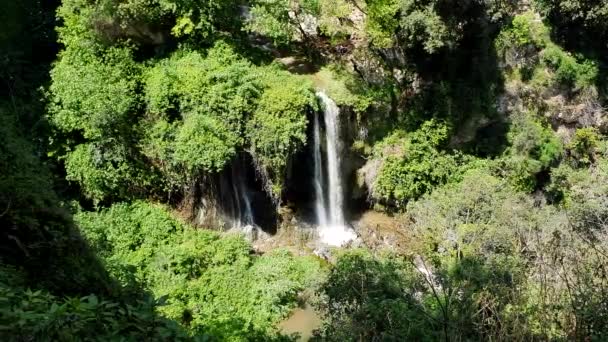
<point>243,210</point>
<point>318,175</point>
<point>236,204</point>
<point>333,146</point>
<point>333,229</point>
<point>248,212</point>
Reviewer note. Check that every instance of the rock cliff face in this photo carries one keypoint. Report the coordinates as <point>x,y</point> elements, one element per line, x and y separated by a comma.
<point>233,199</point>
<point>565,110</point>
<point>543,77</point>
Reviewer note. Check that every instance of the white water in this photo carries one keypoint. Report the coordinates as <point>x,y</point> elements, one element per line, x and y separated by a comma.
<point>247,218</point>
<point>318,175</point>
<point>332,225</point>
<point>237,199</point>
<point>244,212</point>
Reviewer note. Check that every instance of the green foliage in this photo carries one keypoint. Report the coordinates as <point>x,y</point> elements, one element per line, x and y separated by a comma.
<point>204,143</point>
<point>40,316</point>
<point>146,22</point>
<point>214,96</point>
<point>94,95</point>
<point>277,128</point>
<point>469,235</point>
<point>382,21</point>
<point>281,20</point>
<point>568,69</point>
<point>38,233</point>
<point>426,25</point>
<point>528,31</point>
<point>415,163</point>
<point>482,212</point>
<point>497,250</point>
<point>226,104</point>
<point>389,298</point>
<point>145,100</point>
<point>525,29</point>
<point>209,283</point>
<point>371,299</point>
<point>481,253</point>
<point>533,148</point>
<point>345,89</point>
<point>582,192</point>
<point>106,170</point>
<point>589,15</point>
<point>201,111</point>
<point>581,245</point>
<point>584,146</point>
<point>221,85</point>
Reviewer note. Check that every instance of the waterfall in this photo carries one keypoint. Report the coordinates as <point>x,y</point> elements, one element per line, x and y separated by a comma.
<point>236,204</point>
<point>333,229</point>
<point>333,146</point>
<point>318,175</point>
<point>243,215</point>
<point>248,212</point>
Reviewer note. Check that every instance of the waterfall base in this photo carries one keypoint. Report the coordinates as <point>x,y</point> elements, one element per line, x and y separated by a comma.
<point>336,235</point>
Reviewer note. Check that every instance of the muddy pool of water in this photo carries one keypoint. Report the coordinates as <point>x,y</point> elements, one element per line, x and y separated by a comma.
<point>302,321</point>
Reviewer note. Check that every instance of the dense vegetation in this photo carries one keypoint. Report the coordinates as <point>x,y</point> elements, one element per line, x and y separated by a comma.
<point>480,126</point>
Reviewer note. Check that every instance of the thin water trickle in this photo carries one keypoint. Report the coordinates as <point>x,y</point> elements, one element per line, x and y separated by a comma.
<point>248,211</point>
<point>244,212</point>
<point>237,198</point>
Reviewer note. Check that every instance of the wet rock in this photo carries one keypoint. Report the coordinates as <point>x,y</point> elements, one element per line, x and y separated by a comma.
<point>254,233</point>
<point>323,253</point>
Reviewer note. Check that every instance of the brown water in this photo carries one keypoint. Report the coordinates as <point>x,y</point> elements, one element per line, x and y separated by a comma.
<point>302,321</point>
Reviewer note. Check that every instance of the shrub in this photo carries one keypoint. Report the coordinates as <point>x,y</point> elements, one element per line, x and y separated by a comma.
<point>414,163</point>
<point>210,283</point>
<point>37,315</point>
<point>584,146</point>
<point>569,70</point>
<point>533,149</point>
<point>525,29</point>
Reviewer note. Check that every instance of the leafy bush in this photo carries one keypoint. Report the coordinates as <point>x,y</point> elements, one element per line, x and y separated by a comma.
<point>204,143</point>
<point>37,315</point>
<point>280,20</point>
<point>415,163</point>
<point>371,298</point>
<point>277,128</point>
<point>584,146</point>
<point>201,110</point>
<point>106,170</point>
<point>226,104</point>
<point>527,30</point>
<point>568,69</point>
<point>592,16</point>
<point>94,99</point>
<point>94,95</point>
<point>470,235</point>
<point>146,22</point>
<point>485,262</point>
<point>209,283</point>
<point>533,149</point>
